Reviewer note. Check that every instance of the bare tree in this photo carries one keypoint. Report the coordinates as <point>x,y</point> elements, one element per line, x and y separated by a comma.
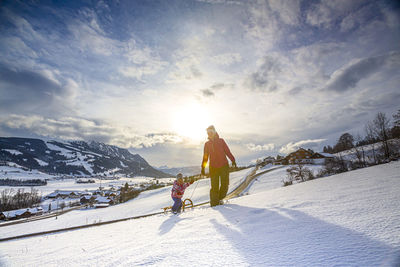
<point>395,131</point>
<point>370,138</point>
<point>11,200</point>
<point>299,173</point>
<point>381,129</point>
<point>396,119</point>
<point>359,151</point>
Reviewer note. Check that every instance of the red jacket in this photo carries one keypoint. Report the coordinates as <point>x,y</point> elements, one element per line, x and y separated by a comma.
<point>216,149</point>
<point>179,189</point>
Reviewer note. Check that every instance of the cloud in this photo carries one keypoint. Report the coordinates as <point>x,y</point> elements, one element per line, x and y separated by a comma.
<point>288,11</point>
<point>209,92</point>
<point>262,26</point>
<point>326,13</point>
<point>27,78</point>
<point>290,147</point>
<point>138,71</point>
<point>355,19</point>
<point>142,61</point>
<point>264,79</point>
<point>88,35</point>
<point>227,59</point>
<point>185,69</point>
<point>356,70</point>
<point>296,90</point>
<point>22,26</point>
<point>72,128</point>
<point>270,22</point>
<point>35,90</point>
<point>266,147</point>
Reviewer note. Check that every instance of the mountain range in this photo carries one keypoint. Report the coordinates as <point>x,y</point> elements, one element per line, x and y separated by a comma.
<point>186,171</point>
<point>75,158</point>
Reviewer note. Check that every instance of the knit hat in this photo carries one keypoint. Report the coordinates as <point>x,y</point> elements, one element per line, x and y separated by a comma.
<point>179,176</point>
<point>211,128</point>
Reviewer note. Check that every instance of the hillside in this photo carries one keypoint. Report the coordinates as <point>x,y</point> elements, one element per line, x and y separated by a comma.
<point>186,171</point>
<point>349,219</point>
<point>74,158</point>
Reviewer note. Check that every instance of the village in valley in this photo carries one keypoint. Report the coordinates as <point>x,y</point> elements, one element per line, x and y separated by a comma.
<point>95,192</point>
<point>102,192</point>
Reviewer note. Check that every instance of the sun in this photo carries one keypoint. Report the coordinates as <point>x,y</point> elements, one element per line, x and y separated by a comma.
<point>191,121</point>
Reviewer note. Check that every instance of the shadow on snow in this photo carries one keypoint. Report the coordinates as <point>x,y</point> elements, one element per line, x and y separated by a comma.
<point>283,237</point>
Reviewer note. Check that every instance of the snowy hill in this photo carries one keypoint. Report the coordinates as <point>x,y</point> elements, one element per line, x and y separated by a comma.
<point>349,219</point>
<point>370,153</point>
<point>75,157</point>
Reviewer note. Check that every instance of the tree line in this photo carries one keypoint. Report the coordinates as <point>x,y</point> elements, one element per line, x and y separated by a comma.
<point>380,130</point>
<point>16,182</point>
<point>13,200</point>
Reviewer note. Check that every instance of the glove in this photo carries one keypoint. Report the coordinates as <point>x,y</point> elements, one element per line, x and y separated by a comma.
<point>234,164</point>
<point>203,171</point>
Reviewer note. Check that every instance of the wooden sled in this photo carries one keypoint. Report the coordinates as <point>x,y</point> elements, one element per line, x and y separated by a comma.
<point>187,203</point>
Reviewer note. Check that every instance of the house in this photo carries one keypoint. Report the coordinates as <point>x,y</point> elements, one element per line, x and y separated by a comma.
<point>267,160</point>
<point>37,211</point>
<point>111,193</point>
<point>20,213</point>
<point>300,156</point>
<point>65,194</point>
<point>104,200</point>
<point>322,158</point>
<point>307,157</point>
<point>98,192</point>
<point>86,199</point>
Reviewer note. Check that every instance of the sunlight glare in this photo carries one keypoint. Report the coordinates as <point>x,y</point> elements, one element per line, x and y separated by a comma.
<point>191,121</point>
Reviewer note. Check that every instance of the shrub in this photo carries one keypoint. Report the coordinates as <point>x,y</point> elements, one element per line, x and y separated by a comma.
<point>298,173</point>
<point>286,183</point>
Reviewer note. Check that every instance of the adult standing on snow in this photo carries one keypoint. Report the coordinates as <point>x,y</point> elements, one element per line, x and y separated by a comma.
<point>216,150</point>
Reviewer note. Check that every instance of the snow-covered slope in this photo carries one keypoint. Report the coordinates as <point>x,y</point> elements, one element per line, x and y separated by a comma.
<point>147,202</point>
<point>15,171</point>
<point>350,219</point>
<point>74,157</point>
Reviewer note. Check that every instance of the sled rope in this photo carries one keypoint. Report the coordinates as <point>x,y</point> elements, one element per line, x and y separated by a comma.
<point>194,190</point>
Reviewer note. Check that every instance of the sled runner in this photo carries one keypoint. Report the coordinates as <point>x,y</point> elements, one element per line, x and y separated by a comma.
<point>187,203</point>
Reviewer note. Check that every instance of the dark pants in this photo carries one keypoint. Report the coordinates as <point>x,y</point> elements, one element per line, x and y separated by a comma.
<point>219,176</point>
<point>177,204</point>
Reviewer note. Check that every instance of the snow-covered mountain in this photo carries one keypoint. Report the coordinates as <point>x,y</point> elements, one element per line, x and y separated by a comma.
<point>74,157</point>
<point>186,171</point>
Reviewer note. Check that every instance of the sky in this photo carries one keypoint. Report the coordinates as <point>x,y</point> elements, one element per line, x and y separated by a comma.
<point>151,76</point>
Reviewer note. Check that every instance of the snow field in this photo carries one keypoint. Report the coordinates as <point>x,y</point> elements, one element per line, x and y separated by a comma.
<point>350,219</point>
<point>147,202</point>
<point>16,172</point>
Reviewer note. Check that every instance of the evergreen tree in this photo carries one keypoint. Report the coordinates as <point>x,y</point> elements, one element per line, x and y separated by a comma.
<point>345,142</point>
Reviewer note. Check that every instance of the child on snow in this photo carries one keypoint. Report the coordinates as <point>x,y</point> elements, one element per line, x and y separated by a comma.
<point>178,189</point>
